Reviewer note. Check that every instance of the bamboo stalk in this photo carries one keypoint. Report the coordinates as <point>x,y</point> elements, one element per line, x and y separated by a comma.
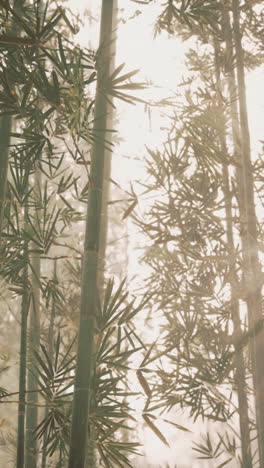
<point>107,160</point>
<point>249,234</point>
<point>34,341</point>
<point>51,356</point>
<point>22,363</point>
<point>84,366</point>
<point>91,455</point>
<point>5,130</point>
<point>240,373</point>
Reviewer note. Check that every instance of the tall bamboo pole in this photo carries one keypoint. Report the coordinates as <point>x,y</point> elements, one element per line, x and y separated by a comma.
<point>34,341</point>
<point>85,359</point>
<point>249,234</point>
<point>91,455</point>
<point>91,458</point>
<point>20,459</point>
<point>107,160</point>
<point>5,130</point>
<point>239,364</point>
<point>51,333</point>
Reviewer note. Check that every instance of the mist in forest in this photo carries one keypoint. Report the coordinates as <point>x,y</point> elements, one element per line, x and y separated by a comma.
<point>131,234</point>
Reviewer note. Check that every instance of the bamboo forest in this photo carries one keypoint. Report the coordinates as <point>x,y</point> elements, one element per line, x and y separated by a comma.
<point>131,233</point>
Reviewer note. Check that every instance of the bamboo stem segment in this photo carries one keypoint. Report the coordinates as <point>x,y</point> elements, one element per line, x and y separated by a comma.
<point>249,233</point>
<point>85,358</point>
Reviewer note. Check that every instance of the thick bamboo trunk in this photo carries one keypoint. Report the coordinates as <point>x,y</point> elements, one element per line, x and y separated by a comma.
<point>239,364</point>
<point>5,130</point>
<point>85,358</point>
<point>249,235</point>
<point>107,159</point>
<point>91,456</point>
<point>239,373</point>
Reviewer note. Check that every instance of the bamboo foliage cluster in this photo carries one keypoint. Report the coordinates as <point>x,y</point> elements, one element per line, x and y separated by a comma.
<point>205,235</point>
<point>45,92</point>
<point>42,86</point>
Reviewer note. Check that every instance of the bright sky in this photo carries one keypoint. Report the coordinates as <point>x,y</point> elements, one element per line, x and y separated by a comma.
<point>161,61</point>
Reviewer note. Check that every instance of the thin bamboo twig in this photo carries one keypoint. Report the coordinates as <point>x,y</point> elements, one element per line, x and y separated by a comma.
<point>34,341</point>
<point>51,356</point>
<point>20,459</point>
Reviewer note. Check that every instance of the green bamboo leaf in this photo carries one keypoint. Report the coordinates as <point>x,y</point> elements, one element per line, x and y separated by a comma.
<point>51,230</point>
<point>123,445</point>
<point>67,366</point>
<point>107,295</point>
<point>44,13</point>
<point>104,343</point>
<point>56,85</point>
<point>146,357</point>
<point>50,25</point>
<point>225,462</point>
<point>91,79</point>
<point>131,86</point>
<point>178,426</point>
<point>154,428</point>
<point>30,233</point>
<point>123,77</point>
<point>125,97</point>
<point>115,427</point>
<point>57,351</point>
<point>62,55</point>
<point>123,355</point>
<point>103,456</point>
<point>66,355</point>
<point>47,372</point>
<point>117,457</point>
<point>27,88</point>
<point>130,209</point>
<point>64,390</point>
<point>144,383</point>
<point>117,71</point>
<point>23,24</point>
<point>112,303</point>
<point>49,363</point>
